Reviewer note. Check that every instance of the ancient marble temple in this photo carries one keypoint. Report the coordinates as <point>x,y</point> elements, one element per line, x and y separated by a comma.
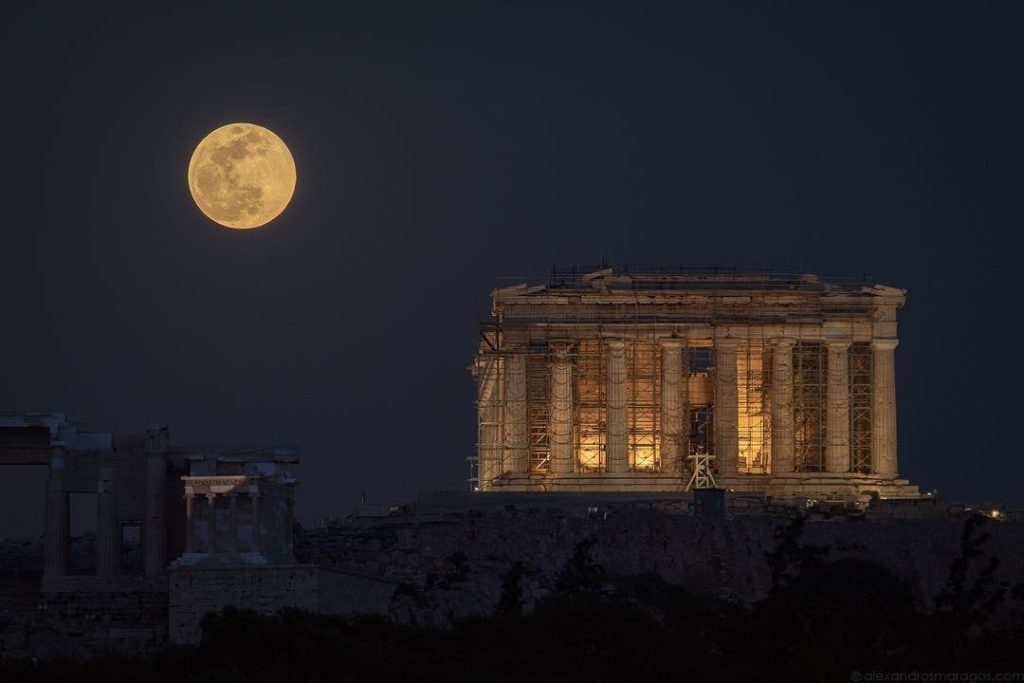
<point>623,380</point>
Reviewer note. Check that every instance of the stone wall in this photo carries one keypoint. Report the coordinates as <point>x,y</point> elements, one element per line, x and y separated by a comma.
<point>196,591</point>
<point>21,555</point>
<point>25,555</point>
<point>82,616</point>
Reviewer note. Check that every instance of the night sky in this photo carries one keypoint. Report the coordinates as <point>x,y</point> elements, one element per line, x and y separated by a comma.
<point>440,149</point>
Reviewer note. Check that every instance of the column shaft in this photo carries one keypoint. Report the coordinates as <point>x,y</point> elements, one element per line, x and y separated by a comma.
<point>233,511</point>
<point>782,406</point>
<point>684,412</point>
<point>617,447</point>
<point>58,526</point>
<point>257,534</point>
<point>560,426</point>
<point>210,524</point>
<point>190,523</point>
<point>726,407</point>
<point>155,542</point>
<point>290,528</point>
<point>108,527</point>
<point>837,457</point>
<point>883,409</point>
<point>489,449</point>
<point>517,437</point>
<point>672,402</point>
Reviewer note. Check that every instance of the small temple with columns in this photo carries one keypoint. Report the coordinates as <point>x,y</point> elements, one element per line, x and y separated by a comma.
<point>669,379</point>
<point>191,507</point>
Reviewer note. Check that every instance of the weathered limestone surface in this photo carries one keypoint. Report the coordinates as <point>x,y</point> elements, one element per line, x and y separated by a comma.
<point>883,428</point>
<point>561,413</point>
<point>782,407</point>
<point>621,340</point>
<point>155,545</point>
<point>58,523</point>
<point>726,407</point>
<point>108,528</point>
<point>618,455</point>
<point>489,408</point>
<point>674,415</point>
<point>837,457</point>
<point>515,424</point>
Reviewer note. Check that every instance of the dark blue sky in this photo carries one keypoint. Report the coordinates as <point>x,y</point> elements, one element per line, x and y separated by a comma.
<point>439,149</point>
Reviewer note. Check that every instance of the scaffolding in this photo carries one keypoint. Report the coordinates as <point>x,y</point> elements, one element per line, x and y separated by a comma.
<point>643,405</point>
<point>810,412</point>
<point>700,375</point>
<point>861,364</point>
<point>591,399</point>
<point>581,333</point>
<point>753,372</point>
<point>538,411</point>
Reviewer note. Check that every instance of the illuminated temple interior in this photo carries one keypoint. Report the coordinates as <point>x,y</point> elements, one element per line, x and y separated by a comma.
<point>628,380</point>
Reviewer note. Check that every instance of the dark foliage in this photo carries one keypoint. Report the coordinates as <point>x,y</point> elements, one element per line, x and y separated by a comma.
<point>822,621</point>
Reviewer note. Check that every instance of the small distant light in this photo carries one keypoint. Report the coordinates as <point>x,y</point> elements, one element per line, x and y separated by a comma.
<point>995,514</point>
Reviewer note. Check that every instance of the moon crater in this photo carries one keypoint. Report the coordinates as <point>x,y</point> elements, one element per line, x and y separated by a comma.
<point>242,176</point>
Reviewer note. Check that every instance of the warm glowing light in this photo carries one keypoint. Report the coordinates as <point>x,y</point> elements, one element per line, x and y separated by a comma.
<point>591,400</point>
<point>242,176</point>
<point>754,428</point>
<point>643,402</point>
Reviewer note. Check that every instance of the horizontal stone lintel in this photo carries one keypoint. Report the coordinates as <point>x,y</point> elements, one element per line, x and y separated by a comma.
<point>649,477</point>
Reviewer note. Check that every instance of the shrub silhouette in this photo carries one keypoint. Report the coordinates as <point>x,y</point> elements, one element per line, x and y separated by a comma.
<point>821,621</point>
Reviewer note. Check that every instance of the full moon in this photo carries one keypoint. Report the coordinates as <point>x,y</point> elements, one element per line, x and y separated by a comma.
<point>242,176</point>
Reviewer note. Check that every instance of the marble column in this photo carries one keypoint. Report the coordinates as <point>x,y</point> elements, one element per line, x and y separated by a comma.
<point>190,523</point>
<point>108,527</point>
<point>617,447</point>
<point>155,542</point>
<point>489,453</point>
<point>289,530</point>
<point>210,524</point>
<point>837,424</point>
<point>257,535</point>
<point>560,426</point>
<point>517,438</point>
<point>726,407</point>
<point>58,525</point>
<point>674,386</point>
<point>233,512</point>
<point>782,406</point>
<point>883,408</point>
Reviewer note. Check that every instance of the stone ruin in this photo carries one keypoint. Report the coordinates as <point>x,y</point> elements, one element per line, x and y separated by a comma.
<point>220,522</point>
<point>193,510</point>
<point>668,379</point>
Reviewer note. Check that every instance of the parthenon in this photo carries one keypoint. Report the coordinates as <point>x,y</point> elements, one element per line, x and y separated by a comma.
<point>636,380</point>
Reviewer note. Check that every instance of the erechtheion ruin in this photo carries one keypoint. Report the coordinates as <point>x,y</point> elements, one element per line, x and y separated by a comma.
<point>205,507</point>
<point>673,379</point>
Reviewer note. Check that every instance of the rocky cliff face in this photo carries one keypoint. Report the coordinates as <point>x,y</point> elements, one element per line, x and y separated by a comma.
<point>437,566</point>
<point>455,565</point>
